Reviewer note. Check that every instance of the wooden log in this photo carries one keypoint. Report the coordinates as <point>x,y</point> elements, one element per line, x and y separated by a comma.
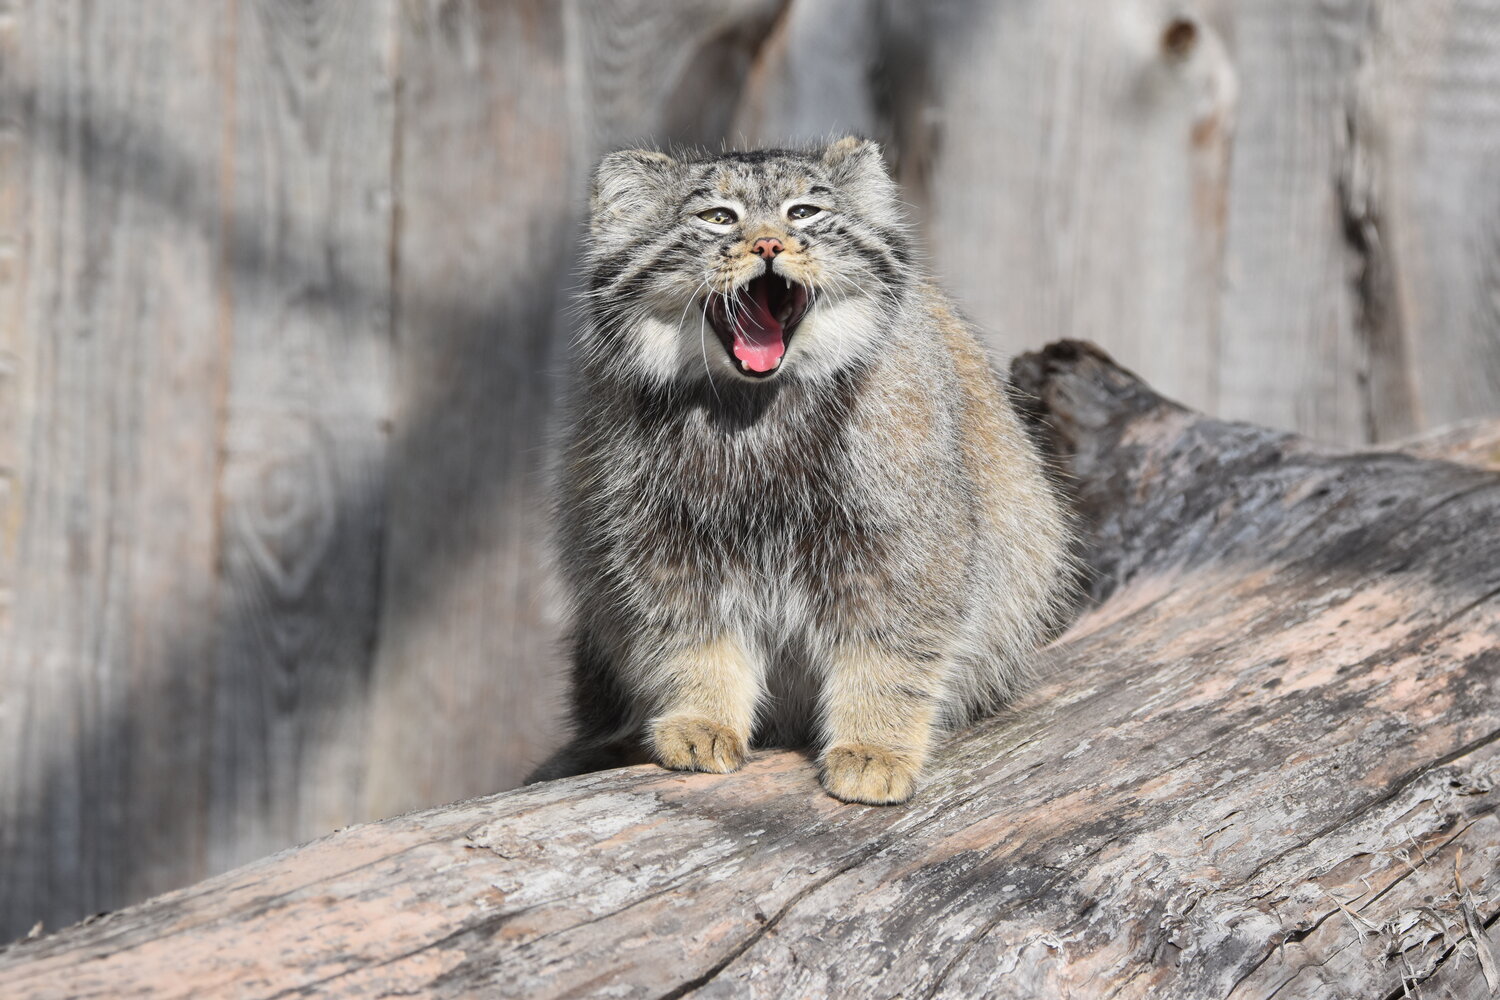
<point>1264,761</point>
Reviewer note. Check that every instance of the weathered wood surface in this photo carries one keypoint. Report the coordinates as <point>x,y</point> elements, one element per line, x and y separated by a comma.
<point>307,403</point>
<point>1263,761</point>
<point>203,364</point>
<point>283,291</point>
<point>113,374</point>
<point>479,325</point>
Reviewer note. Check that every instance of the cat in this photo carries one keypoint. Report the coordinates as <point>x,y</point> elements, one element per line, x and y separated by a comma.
<point>794,503</point>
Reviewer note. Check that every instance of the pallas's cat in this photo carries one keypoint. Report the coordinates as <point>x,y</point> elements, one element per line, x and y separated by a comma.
<point>794,502</point>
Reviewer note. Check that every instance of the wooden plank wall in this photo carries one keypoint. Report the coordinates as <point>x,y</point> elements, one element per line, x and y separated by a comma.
<point>283,291</point>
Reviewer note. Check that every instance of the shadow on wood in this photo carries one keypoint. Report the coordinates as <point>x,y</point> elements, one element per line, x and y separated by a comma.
<point>1265,762</point>
<point>294,308</point>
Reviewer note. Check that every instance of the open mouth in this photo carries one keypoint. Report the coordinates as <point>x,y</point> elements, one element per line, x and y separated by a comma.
<point>756,325</point>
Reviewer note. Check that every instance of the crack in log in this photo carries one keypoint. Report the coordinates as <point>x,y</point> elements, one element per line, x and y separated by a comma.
<point>496,921</point>
<point>491,923</point>
<point>742,854</point>
<point>499,920</point>
<point>1405,989</point>
<point>1307,966</point>
<point>1214,833</point>
<point>990,925</point>
<point>1401,785</point>
<point>1387,536</point>
<point>1302,934</point>
<point>1123,985</point>
<point>1291,937</point>
<point>859,858</point>
<point>1487,481</point>
<point>1412,869</point>
<point>751,939</point>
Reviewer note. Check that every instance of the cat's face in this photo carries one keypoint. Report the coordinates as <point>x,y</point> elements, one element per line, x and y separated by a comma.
<point>754,266</point>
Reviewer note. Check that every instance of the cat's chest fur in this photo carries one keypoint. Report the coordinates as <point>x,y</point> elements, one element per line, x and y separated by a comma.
<point>758,484</point>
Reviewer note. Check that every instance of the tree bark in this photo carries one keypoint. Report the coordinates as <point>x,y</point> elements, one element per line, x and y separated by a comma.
<point>1263,761</point>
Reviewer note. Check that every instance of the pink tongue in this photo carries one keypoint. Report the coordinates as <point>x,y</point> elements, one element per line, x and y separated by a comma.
<point>757,335</point>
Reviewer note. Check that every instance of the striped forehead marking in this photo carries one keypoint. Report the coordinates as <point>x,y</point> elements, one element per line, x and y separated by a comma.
<point>763,181</point>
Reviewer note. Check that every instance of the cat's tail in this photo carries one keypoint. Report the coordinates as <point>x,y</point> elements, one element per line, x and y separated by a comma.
<point>586,755</point>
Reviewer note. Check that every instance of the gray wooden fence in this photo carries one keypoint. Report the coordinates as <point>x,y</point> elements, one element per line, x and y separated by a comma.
<point>283,291</point>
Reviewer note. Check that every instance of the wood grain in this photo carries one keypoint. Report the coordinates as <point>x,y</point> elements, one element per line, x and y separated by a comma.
<point>305,420</point>
<point>202,327</point>
<point>1292,353</point>
<point>1251,773</point>
<point>486,186</point>
<point>1430,117</point>
<point>114,376</point>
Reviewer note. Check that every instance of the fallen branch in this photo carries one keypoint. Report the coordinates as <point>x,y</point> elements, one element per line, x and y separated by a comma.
<point>1254,765</point>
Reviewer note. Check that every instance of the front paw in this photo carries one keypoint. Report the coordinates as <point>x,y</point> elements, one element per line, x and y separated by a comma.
<point>690,743</point>
<point>858,772</point>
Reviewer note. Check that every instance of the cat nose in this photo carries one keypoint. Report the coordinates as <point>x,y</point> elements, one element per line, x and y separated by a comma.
<point>767,247</point>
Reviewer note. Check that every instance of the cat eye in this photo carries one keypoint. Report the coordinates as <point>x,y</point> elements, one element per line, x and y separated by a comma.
<point>718,216</point>
<point>802,211</point>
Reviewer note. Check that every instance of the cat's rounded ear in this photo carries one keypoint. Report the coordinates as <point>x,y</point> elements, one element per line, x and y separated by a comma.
<point>629,182</point>
<point>852,159</point>
<point>856,167</point>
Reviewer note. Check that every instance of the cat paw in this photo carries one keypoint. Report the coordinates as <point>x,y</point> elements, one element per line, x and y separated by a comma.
<point>689,743</point>
<point>858,772</point>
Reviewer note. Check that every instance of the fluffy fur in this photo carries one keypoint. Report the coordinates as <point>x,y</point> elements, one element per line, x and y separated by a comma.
<point>855,551</point>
